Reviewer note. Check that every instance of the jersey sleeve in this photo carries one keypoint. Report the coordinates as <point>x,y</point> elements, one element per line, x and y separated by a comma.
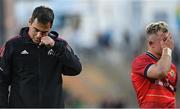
<point>172,75</point>
<point>141,66</point>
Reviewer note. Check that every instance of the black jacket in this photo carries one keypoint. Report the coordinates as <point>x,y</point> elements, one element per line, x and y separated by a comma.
<point>34,72</point>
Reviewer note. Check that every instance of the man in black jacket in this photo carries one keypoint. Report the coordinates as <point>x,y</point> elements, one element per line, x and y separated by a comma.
<point>33,62</point>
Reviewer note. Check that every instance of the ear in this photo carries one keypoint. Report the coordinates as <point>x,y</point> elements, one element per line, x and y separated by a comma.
<point>150,42</point>
<point>30,21</point>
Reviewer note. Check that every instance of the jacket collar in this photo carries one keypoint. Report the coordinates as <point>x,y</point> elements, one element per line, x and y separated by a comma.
<point>24,33</point>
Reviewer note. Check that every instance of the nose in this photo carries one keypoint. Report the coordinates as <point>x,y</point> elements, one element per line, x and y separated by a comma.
<point>39,34</point>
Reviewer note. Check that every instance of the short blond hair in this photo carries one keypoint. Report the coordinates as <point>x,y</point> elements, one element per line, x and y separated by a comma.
<point>153,28</point>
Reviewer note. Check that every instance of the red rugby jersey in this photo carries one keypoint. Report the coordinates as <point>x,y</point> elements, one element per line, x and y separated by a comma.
<point>153,93</point>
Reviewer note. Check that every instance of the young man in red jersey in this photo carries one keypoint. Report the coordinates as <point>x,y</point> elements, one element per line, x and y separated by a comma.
<point>153,75</point>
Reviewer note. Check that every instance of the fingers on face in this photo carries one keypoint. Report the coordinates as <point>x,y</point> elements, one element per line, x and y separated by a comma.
<point>161,42</point>
<point>46,40</point>
<point>167,37</point>
<point>42,41</point>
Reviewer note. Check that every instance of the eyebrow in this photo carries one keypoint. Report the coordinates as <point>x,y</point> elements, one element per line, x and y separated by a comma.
<point>40,30</point>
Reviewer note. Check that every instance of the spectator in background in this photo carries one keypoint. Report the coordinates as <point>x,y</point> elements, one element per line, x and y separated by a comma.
<point>33,62</point>
<point>153,75</point>
<point>1,50</point>
<point>105,39</point>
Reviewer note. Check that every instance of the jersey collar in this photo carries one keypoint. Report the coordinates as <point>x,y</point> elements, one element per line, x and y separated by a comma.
<point>152,56</point>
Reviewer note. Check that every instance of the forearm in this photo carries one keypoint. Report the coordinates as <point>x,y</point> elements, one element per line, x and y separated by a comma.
<point>5,75</point>
<point>3,91</point>
<point>164,64</point>
<point>71,65</point>
<point>3,96</point>
<point>4,85</point>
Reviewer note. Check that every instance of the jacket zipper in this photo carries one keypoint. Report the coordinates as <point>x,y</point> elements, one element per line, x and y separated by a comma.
<point>39,75</point>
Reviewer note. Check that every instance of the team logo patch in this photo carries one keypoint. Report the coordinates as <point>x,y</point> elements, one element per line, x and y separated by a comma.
<point>172,73</point>
<point>24,52</point>
<point>51,52</point>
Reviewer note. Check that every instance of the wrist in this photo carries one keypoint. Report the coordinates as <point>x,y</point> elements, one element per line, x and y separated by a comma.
<point>167,51</point>
<point>53,43</point>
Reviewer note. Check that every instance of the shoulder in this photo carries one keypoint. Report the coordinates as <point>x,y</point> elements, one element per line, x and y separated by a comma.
<point>13,42</point>
<point>140,59</point>
<point>61,40</point>
<point>141,62</point>
<point>9,45</point>
<point>13,39</point>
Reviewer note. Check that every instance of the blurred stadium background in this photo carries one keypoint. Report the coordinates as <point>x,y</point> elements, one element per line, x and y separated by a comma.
<point>106,34</point>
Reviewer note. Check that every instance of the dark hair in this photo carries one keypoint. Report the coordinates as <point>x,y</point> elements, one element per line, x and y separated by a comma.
<point>43,15</point>
<point>153,28</point>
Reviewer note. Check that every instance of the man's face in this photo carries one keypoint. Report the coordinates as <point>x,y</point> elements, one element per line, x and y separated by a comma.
<point>38,30</point>
<point>156,43</point>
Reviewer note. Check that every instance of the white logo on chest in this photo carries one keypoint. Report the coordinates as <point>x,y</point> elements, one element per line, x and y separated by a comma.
<point>24,52</point>
<point>51,52</point>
